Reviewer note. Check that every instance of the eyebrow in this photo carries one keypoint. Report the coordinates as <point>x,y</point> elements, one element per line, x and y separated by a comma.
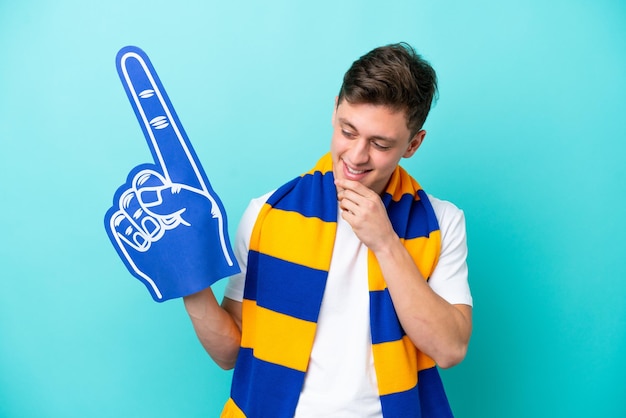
<point>376,137</point>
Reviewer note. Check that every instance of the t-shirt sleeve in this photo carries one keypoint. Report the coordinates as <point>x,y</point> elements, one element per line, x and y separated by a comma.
<point>450,277</point>
<point>234,287</point>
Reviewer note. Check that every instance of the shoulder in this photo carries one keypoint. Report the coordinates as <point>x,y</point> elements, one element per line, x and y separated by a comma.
<point>447,213</point>
<point>258,202</point>
<point>253,209</point>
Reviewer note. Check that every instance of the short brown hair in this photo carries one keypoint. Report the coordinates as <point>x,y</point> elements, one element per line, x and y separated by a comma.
<point>395,76</point>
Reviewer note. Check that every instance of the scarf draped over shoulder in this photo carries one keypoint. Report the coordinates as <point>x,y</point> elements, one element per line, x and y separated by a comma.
<point>290,251</point>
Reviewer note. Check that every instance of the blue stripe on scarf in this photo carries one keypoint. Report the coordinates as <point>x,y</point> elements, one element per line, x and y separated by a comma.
<point>433,395</point>
<point>293,280</point>
<point>385,325</point>
<point>277,399</point>
<point>303,199</point>
<point>402,211</point>
<point>402,404</point>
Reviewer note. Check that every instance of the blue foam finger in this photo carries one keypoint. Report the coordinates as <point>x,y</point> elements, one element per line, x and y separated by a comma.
<point>181,221</point>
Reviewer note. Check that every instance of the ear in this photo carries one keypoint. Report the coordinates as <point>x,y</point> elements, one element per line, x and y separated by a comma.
<point>415,143</point>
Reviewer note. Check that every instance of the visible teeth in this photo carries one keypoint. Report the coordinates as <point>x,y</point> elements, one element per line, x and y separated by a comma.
<point>351,171</point>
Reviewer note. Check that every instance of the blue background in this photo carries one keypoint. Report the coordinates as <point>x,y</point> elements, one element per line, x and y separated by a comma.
<point>528,137</point>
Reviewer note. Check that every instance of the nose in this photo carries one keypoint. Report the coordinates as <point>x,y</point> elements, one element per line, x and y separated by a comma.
<point>359,152</point>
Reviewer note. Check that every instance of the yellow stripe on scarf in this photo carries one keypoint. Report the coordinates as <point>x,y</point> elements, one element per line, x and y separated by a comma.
<point>297,233</point>
<point>277,338</point>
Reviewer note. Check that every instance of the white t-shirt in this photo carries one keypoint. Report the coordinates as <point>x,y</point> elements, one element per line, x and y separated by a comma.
<point>341,380</point>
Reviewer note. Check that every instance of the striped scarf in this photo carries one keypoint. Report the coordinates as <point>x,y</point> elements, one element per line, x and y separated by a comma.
<point>290,251</point>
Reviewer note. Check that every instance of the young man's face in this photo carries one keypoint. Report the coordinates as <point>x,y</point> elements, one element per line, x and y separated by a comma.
<point>368,142</point>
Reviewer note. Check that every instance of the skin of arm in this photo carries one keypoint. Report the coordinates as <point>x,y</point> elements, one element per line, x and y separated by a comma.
<point>218,327</point>
<point>437,328</point>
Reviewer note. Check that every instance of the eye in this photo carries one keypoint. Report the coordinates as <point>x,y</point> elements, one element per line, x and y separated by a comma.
<point>379,146</point>
<point>348,134</point>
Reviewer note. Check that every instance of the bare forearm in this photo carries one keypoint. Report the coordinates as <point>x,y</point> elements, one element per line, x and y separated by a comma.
<point>216,329</point>
<point>437,328</point>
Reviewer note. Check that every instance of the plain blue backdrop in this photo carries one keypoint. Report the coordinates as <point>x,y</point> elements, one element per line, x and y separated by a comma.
<point>528,138</point>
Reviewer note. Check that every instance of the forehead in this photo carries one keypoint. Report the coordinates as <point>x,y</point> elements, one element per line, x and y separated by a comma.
<point>374,120</point>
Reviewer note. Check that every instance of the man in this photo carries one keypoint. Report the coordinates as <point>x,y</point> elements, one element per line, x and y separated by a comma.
<point>354,282</point>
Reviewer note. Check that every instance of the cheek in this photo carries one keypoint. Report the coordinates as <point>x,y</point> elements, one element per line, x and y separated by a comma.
<point>386,163</point>
<point>336,144</point>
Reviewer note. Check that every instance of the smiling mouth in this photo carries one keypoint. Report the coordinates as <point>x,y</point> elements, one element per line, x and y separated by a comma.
<point>351,171</point>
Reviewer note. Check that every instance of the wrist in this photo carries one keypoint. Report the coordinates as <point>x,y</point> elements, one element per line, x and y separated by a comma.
<point>197,304</point>
<point>387,246</point>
